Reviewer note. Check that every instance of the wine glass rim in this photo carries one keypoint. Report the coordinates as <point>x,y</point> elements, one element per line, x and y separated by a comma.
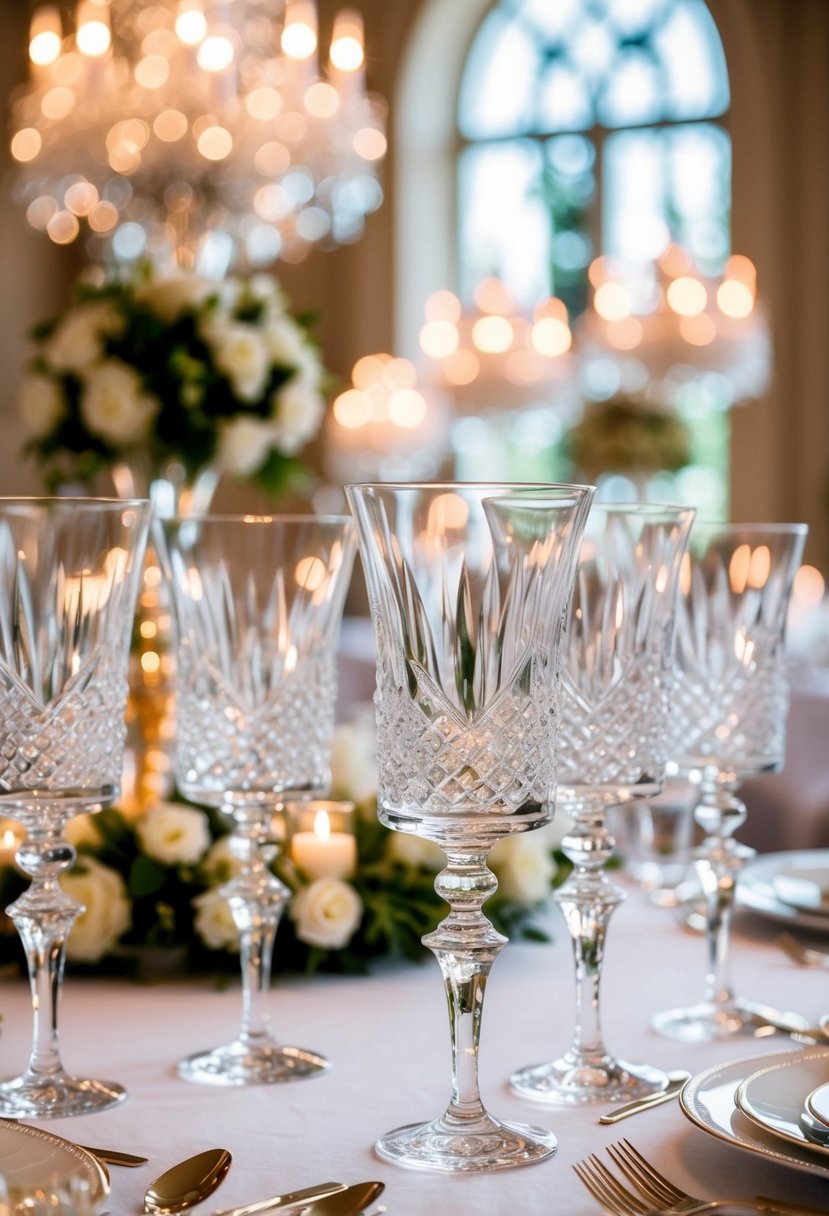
<point>256,518</point>
<point>448,486</point>
<point>18,501</point>
<point>754,528</point>
<point>672,509</point>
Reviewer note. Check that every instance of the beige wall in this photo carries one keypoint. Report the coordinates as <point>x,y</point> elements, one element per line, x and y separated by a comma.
<point>778,52</point>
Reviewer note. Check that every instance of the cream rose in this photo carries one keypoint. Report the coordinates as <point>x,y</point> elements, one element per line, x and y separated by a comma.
<point>285,342</point>
<point>523,867</point>
<point>107,910</point>
<point>82,830</point>
<point>40,405</point>
<point>77,342</point>
<point>214,922</point>
<point>244,444</point>
<point>297,410</point>
<point>170,295</point>
<point>220,864</point>
<point>174,834</point>
<point>114,404</point>
<point>326,913</point>
<point>241,354</point>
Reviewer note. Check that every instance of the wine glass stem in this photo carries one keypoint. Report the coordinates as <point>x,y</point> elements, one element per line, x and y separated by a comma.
<point>44,915</point>
<point>465,945</point>
<point>587,901</point>
<point>720,813</point>
<point>256,899</point>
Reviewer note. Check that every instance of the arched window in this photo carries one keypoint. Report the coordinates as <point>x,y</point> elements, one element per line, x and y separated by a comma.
<point>584,127</point>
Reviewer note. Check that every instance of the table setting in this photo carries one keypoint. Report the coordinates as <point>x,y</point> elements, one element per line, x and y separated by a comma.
<point>495,679</point>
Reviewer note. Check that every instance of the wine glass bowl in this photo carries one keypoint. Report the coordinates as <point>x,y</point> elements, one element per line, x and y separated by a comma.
<point>468,585</point>
<point>729,723</point>
<point>257,603</point>
<point>69,571</point>
<point>616,686</point>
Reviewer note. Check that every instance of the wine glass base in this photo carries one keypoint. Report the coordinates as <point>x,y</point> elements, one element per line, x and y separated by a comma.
<point>56,1096</point>
<point>708,1021</point>
<point>485,1144</point>
<point>573,1082</point>
<point>242,1063</point>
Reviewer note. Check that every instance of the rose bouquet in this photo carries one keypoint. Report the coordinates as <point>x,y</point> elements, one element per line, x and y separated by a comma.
<point>625,435</point>
<point>168,367</point>
<point>150,886</point>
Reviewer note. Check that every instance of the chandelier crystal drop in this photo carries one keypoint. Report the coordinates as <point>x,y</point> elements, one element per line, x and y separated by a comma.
<point>199,131</point>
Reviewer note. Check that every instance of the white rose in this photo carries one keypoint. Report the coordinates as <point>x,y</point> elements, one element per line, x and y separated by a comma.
<point>415,853</point>
<point>244,444</point>
<point>107,911</point>
<point>174,834</point>
<point>82,830</point>
<point>220,864</point>
<point>241,354</point>
<point>554,832</point>
<point>326,913</point>
<point>40,404</point>
<point>523,867</point>
<point>354,761</point>
<point>170,295</point>
<point>285,342</point>
<point>297,409</point>
<point>77,341</point>
<point>214,922</point>
<point>114,404</point>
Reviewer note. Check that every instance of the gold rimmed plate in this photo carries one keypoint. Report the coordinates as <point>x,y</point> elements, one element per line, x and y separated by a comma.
<point>774,1099</point>
<point>30,1155</point>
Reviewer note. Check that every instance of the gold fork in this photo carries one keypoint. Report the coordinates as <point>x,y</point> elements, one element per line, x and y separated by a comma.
<point>655,1195</point>
<point>807,956</point>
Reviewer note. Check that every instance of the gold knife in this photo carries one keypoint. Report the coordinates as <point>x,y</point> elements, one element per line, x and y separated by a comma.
<point>676,1080</point>
<point>113,1157</point>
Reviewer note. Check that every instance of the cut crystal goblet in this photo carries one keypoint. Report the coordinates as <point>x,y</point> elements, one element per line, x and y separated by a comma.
<point>729,723</point>
<point>468,585</point>
<point>257,603</point>
<point>69,571</point>
<point>616,683</point>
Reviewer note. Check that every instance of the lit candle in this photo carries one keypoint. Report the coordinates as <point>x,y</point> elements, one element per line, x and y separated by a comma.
<point>322,852</point>
<point>11,836</point>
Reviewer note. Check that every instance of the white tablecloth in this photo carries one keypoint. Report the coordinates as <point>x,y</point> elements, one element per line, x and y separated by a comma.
<point>388,1039</point>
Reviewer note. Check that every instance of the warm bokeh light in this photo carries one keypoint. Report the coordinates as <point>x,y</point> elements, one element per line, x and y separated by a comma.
<point>152,71</point>
<point>809,587</point>
<point>738,568</point>
<point>699,330</point>
<point>26,144</point>
<point>461,368</point>
<point>674,261</point>
<point>741,268</point>
<point>93,37</point>
<point>439,339</point>
<point>370,143</point>
<point>686,296</point>
<point>310,573</point>
<point>170,125</point>
<point>45,35</point>
<point>551,336</point>
<point>81,197</point>
<point>352,409</point>
<point>492,334</point>
<point>322,100</point>
<point>58,102</point>
<point>612,301</point>
<point>446,513</point>
<point>407,408</point>
<point>191,23</point>
<point>216,53</point>
<point>299,32</point>
<point>347,41</point>
<point>625,334</point>
<point>735,299</point>
<point>493,296</point>
<point>443,306</point>
<point>215,143</point>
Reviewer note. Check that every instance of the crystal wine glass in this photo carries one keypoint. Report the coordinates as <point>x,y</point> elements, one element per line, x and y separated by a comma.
<point>614,712</point>
<point>468,585</point>
<point>729,723</point>
<point>69,571</point>
<point>257,603</point>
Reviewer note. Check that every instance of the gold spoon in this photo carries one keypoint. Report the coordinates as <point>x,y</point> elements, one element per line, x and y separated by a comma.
<point>187,1183</point>
<point>350,1202</point>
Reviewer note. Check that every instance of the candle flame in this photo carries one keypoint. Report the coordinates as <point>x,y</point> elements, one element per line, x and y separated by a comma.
<point>322,826</point>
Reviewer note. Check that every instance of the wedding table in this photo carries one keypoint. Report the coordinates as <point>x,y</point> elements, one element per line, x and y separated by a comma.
<point>387,1036</point>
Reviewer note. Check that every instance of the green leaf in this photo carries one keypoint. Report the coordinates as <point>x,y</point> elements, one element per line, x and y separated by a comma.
<point>145,877</point>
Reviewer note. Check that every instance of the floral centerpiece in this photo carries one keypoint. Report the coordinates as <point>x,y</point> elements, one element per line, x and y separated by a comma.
<point>626,435</point>
<point>173,366</point>
<point>150,886</point>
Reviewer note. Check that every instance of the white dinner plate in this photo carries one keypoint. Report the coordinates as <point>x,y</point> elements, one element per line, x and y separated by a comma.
<point>817,1104</point>
<point>766,880</point>
<point>775,1098</point>
<point>708,1101</point>
<point>31,1156</point>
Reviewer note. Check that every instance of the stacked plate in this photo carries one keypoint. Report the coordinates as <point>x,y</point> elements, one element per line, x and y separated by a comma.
<point>789,887</point>
<point>34,1161</point>
<point>774,1105</point>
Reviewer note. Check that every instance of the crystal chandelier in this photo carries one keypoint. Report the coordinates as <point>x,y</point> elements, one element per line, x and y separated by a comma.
<point>197,131</point>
